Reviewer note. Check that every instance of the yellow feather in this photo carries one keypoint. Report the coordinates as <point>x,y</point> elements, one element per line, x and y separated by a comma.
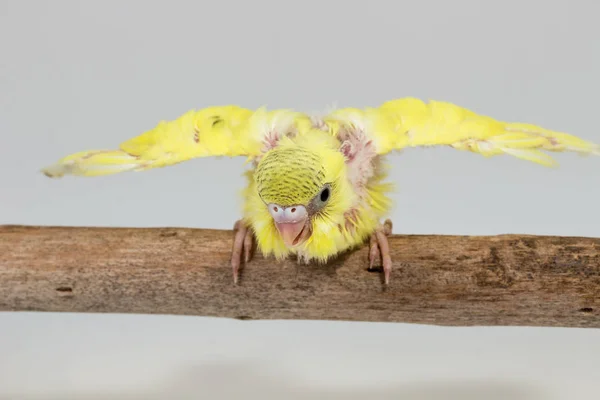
<point>410,122</point>
<point>213,131</point>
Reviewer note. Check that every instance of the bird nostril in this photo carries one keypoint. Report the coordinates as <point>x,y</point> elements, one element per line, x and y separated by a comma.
<point>275,209</point>
<point>293,210</point>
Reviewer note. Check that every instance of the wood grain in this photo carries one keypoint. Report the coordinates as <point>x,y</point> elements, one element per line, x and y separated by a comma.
<point>443,280</point>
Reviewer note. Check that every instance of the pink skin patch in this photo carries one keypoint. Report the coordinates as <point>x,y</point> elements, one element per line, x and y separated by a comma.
<point>359,153</point>
<point>270,141</point>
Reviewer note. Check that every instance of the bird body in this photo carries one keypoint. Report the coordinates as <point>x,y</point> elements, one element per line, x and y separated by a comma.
<point>317,184</point>
<point>296,172</point>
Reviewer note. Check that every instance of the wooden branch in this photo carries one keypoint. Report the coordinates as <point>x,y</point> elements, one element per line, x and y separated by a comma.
<point>441,280</point>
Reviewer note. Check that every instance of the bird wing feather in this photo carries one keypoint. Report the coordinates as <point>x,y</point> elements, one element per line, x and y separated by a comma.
<point>212,131</point>
<point>410,122</point>
<point>395,125</point>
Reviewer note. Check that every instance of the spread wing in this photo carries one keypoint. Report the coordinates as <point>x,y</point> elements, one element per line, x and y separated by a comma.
<point>395,125</point>
<point>213,131</point>
<point>410,122</point>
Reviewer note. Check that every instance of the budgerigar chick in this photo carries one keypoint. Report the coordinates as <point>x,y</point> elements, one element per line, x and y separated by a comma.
<point>317,185</point>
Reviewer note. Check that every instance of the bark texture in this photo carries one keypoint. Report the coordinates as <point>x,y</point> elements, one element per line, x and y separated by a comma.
<point>441,280</point>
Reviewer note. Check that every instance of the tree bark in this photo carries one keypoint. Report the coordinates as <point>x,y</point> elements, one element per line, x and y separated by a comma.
<point>517,280</point>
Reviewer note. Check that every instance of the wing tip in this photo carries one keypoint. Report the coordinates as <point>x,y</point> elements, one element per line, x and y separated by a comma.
<point>95,163</point>
<point>56,171</point>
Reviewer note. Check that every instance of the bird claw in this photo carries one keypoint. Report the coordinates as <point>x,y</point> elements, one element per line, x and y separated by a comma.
<point>243,243</point>
<point>379,249</point>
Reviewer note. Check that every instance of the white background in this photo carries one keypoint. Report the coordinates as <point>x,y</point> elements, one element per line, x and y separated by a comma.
<point>80,75</point>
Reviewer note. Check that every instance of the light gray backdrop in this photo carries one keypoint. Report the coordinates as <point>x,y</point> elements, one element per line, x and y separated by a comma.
<point>78,75</point>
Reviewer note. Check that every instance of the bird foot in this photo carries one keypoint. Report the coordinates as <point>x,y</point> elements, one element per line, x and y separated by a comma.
<point>379,249</point>
<point>243,243</point>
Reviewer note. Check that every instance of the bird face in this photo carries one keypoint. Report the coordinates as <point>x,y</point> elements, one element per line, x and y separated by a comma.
<point>294,222</point>
<point>292,184</point>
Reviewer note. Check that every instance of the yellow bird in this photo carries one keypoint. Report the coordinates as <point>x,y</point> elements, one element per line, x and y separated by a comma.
<point>317,186</point>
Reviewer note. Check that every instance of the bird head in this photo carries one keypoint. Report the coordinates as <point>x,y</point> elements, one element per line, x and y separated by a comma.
<point>301,186</point>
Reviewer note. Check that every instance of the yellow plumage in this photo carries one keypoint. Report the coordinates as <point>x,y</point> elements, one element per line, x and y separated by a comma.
<point>315,149</point>
<point>299,160</point>
<point>410,122</point>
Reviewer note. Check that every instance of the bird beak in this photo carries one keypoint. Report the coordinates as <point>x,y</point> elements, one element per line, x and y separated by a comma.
<point>292,222</point>
<point>293,233</point>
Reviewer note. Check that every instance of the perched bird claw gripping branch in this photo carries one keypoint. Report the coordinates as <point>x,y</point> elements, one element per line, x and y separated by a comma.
<point>317,186</point>
<point>243,243</point>
<point>379,249</point>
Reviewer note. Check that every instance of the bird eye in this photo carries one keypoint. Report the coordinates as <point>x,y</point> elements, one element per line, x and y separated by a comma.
<point>325,195</point>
